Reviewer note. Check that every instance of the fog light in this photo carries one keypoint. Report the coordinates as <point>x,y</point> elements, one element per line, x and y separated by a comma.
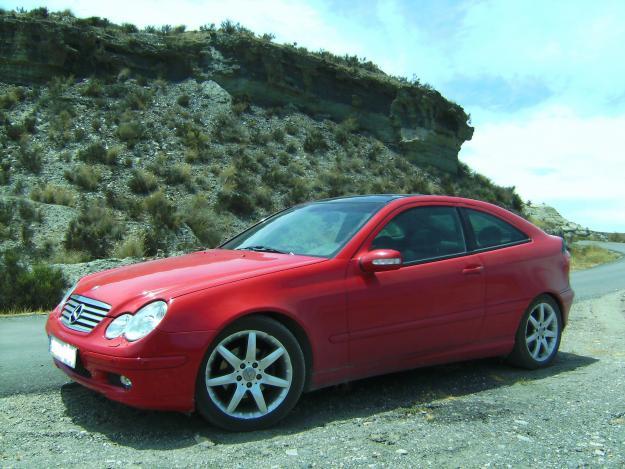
<point>125,382</point>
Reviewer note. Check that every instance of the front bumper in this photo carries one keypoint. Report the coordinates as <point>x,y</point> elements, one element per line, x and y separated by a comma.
<point>162,367</point>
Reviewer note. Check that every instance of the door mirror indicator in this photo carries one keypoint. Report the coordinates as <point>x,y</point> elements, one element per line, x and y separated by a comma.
<point>381,260</point>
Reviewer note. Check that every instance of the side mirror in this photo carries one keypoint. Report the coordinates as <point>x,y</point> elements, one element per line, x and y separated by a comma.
<point>381,260</point>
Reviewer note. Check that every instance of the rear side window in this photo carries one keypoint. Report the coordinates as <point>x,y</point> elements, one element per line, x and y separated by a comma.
<point>423,233</point>
<point>491,231</point>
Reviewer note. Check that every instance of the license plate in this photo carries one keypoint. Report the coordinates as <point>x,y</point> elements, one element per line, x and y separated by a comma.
<point>65,353</point>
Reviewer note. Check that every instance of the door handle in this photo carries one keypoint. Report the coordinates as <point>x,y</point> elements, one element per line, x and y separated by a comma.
<point>473,269</point>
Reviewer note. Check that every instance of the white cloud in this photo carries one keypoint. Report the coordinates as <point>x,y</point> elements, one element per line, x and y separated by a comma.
<point>558,157</point>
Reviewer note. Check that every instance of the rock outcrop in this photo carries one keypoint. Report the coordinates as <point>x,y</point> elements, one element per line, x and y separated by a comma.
<point>414,119</point>
<point>550,220</point>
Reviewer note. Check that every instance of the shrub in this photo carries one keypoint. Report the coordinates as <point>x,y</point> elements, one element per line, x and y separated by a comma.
<point>161,211</point>
<point>28,212</point>
<point>11,98</point>
<point>291,147</point>
<point>61,125</point>
<point>129,28</point>
<point>93,88</point>
<point>228,129</point>
<point>5,173</point>
<point>209,227</point>
<point>132,246</point>
<point>85,177</point>
<point>129,130</point>
<point>177,174</point>
<point>30,157</point>
<point>183,100</point>
<point>291,127</point>
<point>97,153</point>
<point>315,141</point>
<point>278,135</point>
<point>39,287</point>
<point>345,129</point>
<point>51,194</point>
<point>137,100</point>
<point>14,131</point>
<point>143,182</point>
<point>93,231</point>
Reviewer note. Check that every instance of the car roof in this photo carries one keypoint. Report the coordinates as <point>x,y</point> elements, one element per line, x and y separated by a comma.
<point>382,198</point>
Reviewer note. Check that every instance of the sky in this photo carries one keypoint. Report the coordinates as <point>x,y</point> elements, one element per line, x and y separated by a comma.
<point>544,82</point>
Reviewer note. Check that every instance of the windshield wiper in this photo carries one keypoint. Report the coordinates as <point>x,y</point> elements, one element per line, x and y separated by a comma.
<point>262,249</point>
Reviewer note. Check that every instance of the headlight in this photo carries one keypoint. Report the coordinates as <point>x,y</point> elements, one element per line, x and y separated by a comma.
<point>145,320</point>
<point>117,327</point>
<point>68,293</point>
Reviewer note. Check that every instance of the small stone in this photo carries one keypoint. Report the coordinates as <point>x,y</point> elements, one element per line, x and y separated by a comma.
<point>291,452</point>
<point>401,451</point>
<point>599,452</point>
<point>521,422</point>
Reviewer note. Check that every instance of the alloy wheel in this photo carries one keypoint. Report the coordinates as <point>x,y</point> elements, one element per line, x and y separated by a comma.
<point>248,374</point>
<point>541,332</point>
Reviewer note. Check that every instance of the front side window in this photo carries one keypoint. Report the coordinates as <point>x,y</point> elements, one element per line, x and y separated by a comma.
<point>490,231</point>
<point>423,233</point>
<point>317,229</point>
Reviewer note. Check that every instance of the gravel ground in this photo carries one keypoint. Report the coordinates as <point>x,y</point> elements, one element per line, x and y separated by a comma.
<point>471,414</point>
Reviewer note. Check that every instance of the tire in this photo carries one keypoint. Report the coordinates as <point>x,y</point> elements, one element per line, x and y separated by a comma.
<point>537,340</point>
<point>247,390</point>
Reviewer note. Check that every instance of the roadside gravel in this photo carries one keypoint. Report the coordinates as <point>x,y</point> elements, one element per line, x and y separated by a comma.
<point>463,415</point>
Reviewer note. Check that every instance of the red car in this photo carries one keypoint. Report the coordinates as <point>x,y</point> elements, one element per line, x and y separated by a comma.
<point>316,295</point>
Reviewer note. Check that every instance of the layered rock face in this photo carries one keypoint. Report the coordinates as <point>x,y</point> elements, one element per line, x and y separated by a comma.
<point>415,120</point>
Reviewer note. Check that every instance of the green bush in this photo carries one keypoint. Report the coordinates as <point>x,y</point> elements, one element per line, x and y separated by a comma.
<point>132,246</point>
<point>130,130</point>
<point>21,287</point>
<point>183,100</point>
<point>11,98</point>
<point>315,141</point>
<point>52,194</point>
<point>14,131</point>
<point>93,88</point>
<point>177,174</point>
<point>85,177</point>
<point>209,227</point>
<point>97,153</point>
<point>93,231</point>
<point>29,157</point>
<point>228,129</point>
<point>143,182</point>
<point>162,211</point>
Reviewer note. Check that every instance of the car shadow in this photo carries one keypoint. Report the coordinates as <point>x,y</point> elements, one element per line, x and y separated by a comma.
<point>410,391</point>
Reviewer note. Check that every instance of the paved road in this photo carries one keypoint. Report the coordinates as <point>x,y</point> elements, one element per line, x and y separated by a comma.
<point>602,279</point>
<point>25,365</point>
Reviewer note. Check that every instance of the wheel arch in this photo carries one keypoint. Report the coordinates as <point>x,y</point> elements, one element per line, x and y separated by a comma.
<point>559,302</point>
<point>293,326</point>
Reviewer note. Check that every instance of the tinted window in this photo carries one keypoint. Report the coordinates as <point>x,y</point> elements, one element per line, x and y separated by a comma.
<point>423,233</point>
<point>317,229</point>
<point>492,231</point>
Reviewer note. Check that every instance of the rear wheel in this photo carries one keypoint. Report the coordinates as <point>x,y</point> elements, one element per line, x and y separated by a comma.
<point>538,336</point>
<point>252,376</point>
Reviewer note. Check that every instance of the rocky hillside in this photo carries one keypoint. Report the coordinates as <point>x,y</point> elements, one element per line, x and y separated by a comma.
<point>122,143</point>
<point>550,220</point>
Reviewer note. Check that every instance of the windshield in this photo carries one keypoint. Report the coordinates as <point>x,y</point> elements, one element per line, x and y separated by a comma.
<point>318,229</point>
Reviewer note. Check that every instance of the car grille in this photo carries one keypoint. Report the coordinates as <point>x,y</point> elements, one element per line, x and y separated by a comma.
<point>90,313</point>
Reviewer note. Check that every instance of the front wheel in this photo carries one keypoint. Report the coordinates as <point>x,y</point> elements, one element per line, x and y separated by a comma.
<point>252,376</point>
<point>538,336</point>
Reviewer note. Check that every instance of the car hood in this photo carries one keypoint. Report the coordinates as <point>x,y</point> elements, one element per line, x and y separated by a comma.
<point>176,276</point>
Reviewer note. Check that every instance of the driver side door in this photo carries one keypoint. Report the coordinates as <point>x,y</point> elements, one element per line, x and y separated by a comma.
<point>433,304</point>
